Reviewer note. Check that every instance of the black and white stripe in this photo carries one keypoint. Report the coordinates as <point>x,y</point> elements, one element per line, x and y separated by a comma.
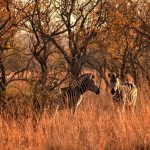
<point>124,94</point>
<point>71,96</point>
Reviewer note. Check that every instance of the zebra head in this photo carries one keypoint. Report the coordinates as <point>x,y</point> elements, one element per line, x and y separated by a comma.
<point>114,82</point>
<point>86,82</point>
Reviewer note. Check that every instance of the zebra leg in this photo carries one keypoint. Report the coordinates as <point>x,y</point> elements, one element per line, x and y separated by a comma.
<point>115,106</point>
<point>131,108</point>
<point>123,108</point>
<point>76,105</point>
<point>56,110</point>
<point>124,102</point>
<point>73,107</point>
<point>73,110</point>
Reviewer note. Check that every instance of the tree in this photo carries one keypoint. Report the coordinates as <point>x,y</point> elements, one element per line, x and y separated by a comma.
<point>7,22</point>
<point>81,20</point>
<point>125,54</point>
<point>42,28</point>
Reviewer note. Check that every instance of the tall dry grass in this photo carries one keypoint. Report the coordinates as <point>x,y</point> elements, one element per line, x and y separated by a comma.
<point>96,126</point>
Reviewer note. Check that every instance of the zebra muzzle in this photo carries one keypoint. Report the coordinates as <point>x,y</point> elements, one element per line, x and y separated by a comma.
<point>98,91</point>
<point>113,91</point>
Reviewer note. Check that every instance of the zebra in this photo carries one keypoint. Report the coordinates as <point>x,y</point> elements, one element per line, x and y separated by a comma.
<point>124,94</point>
<point>71,96</point>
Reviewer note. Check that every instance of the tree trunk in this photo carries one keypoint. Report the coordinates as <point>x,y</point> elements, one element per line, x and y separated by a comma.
<point>122,72</point>
<point>75,69</point>
<point>3,78</point>
<point>43,75</point>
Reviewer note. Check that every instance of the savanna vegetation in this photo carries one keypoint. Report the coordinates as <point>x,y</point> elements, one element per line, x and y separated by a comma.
<point>43,41</point>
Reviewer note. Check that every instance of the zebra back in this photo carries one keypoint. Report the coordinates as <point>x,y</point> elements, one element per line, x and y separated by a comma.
<point>81,80</point>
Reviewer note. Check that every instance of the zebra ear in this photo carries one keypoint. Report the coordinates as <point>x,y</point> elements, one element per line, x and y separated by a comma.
<point>109,75</point>
<point>117,75</point>
<point>92,76</point>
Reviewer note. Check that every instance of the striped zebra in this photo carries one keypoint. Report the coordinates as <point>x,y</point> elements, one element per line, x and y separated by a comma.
<point>71,96</point>
<point>124,94</point>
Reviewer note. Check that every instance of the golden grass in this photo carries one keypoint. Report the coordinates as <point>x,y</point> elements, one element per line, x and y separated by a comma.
<point>96,126</point>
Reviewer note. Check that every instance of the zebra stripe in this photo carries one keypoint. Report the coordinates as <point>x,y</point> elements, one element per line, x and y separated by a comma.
<point>71,96</point>
<point>124,94</point>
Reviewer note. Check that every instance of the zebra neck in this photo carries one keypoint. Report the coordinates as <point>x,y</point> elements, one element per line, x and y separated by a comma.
<point>117,87</point>
<point>81,90</point>
<point>114,89</point>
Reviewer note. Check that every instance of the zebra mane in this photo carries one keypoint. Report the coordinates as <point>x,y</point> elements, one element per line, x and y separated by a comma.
<point>85,75</point>
<point>81,79</point>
